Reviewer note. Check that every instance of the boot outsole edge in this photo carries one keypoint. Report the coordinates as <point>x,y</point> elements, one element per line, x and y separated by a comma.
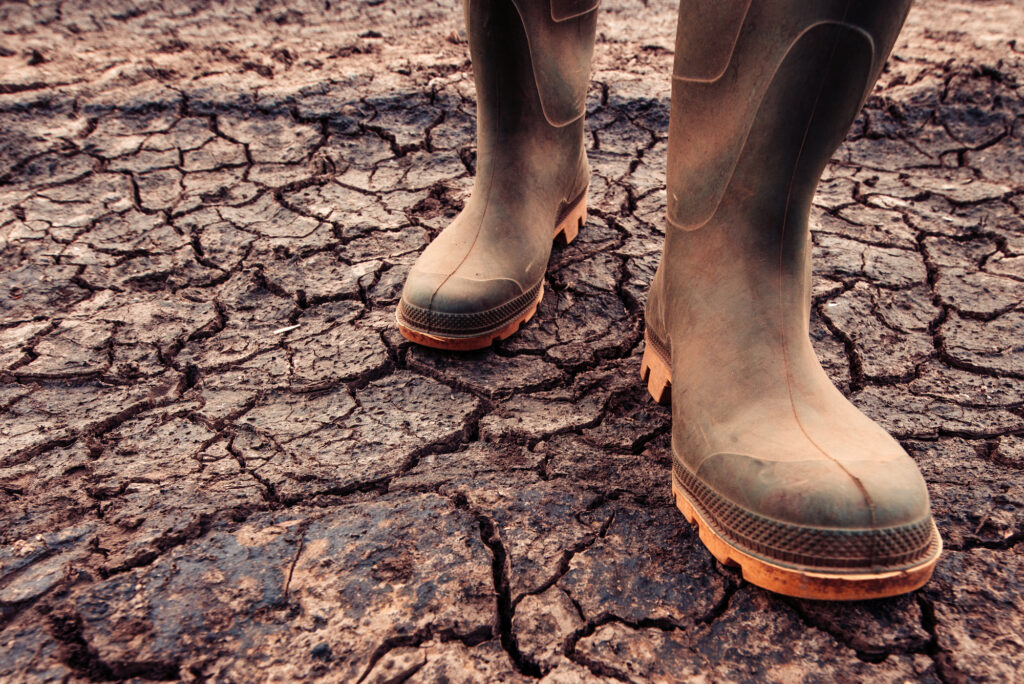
<point>805,584</point>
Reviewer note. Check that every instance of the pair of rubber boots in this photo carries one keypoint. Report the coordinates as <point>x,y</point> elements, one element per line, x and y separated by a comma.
<point>783,476</point>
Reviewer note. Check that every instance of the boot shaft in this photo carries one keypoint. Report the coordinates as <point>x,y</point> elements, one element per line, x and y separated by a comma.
<point>531,64</point>
<point>772,85</point>
<point>763,93</point>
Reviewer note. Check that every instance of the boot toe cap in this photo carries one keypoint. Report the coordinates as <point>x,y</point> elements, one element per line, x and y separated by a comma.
<point>821,492</point>
<point>818,512</point>
<point>457,305</point>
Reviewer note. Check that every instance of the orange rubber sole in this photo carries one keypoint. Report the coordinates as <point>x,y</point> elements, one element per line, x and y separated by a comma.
<point>566,231</point>
<point>789,581</point>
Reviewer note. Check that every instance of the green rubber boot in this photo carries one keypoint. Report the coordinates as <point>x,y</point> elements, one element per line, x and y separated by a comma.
<point>783,476</point>
<point>483,276</point>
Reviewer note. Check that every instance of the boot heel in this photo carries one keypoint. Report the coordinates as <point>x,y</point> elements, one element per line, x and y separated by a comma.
<point>569,227</point>
<point>657,374</point>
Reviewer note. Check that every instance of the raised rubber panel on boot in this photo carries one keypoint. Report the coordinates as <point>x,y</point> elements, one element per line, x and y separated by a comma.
<point>562,10</point>
<point>706,36</point>
<point>560,59</point>
<point>815,543</point>
<point>711,120</point>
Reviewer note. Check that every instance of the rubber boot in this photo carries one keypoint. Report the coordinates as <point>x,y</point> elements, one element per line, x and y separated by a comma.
<point>783,476</point>
<point>483,276</point>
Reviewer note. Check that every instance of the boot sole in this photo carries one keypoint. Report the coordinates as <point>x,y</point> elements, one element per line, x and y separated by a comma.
<point>789,581</point>
<point>565,232</point>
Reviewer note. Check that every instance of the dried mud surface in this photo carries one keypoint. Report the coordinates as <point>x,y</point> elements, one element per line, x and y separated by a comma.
<point>218,459</point>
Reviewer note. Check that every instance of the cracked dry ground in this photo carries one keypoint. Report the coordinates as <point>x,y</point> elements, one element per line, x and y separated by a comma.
<point>218,459</point>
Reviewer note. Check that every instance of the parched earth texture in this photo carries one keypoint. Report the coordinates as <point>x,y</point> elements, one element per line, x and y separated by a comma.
<point>219,460</point>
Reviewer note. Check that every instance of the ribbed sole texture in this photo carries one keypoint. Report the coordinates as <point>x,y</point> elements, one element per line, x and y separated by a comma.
<point>461,332</point>
<point>788,576</point>
<point>471,343</point>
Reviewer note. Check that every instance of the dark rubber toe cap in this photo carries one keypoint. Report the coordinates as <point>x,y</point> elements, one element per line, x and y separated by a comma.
<point>820,492</point>
<point>816,513</point>
<point>457,306</point>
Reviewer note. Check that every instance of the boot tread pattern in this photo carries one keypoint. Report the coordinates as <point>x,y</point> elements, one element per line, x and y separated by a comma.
<point>806,584</point>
